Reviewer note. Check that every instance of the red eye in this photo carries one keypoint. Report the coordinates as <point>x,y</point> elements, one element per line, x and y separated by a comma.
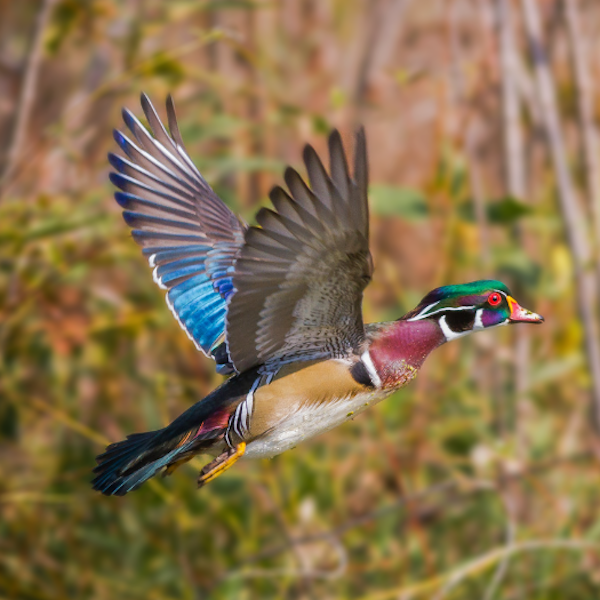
<point>494,299</point>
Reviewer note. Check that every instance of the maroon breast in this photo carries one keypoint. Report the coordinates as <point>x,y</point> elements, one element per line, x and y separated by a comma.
<point>404,346</point>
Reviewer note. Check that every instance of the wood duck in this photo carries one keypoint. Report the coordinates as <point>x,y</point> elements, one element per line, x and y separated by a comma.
<point>277,305</point>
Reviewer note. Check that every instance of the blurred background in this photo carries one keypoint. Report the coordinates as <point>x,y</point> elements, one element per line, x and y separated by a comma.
<point>480,479</point>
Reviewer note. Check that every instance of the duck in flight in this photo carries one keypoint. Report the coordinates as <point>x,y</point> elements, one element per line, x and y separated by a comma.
<point>277,305</point>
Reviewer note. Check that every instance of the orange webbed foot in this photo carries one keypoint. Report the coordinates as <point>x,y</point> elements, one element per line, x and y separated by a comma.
<point>223,462</point>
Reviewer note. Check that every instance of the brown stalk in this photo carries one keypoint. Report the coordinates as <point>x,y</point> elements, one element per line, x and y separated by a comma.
<point>575,229</point>
<point>27,94</point>
<point>514,163</point>
<point>585,94</point>
<point>380,44</point>
<point>472,133</point>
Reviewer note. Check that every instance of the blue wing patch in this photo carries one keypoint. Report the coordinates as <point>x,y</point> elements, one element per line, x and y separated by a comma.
<point>200,310</point>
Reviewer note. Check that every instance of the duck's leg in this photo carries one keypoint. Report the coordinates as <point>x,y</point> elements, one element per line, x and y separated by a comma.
<point>221,464</point>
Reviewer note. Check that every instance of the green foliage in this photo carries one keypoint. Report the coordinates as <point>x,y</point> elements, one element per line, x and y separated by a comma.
<point>507,211</point>
<point>404,203</point>
<point>162,65</point>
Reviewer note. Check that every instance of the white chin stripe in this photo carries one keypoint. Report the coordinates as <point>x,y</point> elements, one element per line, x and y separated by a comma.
<point>478,322</point>
<point>448,333</point>
<point>368,362</point>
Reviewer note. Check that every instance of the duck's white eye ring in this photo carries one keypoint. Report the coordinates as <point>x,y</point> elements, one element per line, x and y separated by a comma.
<point>494,299</point>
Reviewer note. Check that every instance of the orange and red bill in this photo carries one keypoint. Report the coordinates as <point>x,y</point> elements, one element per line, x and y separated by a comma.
<point>518,314</point>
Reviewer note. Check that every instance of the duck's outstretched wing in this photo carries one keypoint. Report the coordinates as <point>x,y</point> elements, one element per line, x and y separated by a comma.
<point>188,234</point>
<point>299,277</point>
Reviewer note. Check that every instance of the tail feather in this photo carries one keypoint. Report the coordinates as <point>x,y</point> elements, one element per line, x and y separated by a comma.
<point>125,465</point>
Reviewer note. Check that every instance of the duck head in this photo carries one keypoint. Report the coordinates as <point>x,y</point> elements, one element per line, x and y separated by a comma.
<point>468,307</point>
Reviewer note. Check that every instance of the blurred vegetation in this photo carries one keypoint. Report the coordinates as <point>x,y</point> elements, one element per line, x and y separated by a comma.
<point>467,484</point>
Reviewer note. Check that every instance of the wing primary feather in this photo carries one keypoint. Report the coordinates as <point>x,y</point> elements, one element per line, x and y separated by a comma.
<point>278,230</point>
<point>143,237</point>
<point>172,121</point>
<point>179,145</point>
<point>158,129</point>
<point>285,206</point>
<point>133,202</point>
<point>128,184</point>
<point>277,245</point>
<point>300,191</point>
<point>154,147</point>
<point>135,219</point>
<point>318,177</point>
<point>308,198</point>
<point>144,158</point>
<point>137,172</point>
<point>300,233</point>
<point>338,165</point>
<point>361,176</point>
<point>293,210</point>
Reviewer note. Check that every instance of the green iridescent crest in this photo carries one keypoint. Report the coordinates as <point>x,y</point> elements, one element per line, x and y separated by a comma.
<point>463,291</point>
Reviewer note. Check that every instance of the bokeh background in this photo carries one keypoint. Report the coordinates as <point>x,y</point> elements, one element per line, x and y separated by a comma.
<point>479,480</point>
